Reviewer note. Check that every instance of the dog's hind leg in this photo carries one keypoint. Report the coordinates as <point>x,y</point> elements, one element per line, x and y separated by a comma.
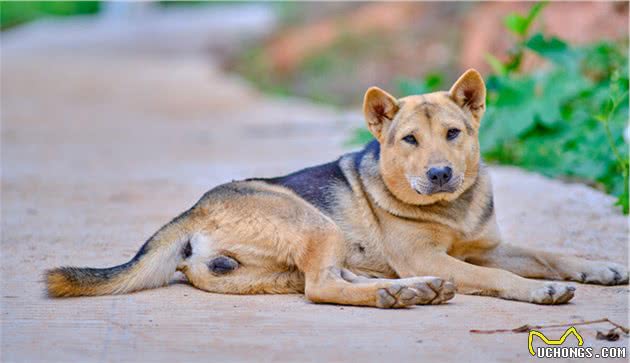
<point>265,239</point>
<point>243,280</point>
<point>219,271</point>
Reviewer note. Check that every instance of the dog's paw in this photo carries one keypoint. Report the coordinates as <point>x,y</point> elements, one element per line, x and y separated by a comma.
<point>552,293</point>
<point>603,273</point>
<point>414,291</point>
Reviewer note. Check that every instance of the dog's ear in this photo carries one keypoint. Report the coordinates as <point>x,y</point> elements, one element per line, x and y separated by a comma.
<point>379,108</point>
<point>469,92</point>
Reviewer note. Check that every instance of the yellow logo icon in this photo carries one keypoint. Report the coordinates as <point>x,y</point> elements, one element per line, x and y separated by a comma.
<point>564,336</point>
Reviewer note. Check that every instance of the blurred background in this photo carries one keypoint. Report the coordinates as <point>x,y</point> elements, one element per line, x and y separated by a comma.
<point>117,116</point>
<point>557,73</point>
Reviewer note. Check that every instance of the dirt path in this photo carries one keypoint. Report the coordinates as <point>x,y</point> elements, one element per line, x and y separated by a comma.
<point>103,143</point>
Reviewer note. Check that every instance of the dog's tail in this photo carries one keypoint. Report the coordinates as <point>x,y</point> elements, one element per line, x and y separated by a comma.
<point>153,266</point>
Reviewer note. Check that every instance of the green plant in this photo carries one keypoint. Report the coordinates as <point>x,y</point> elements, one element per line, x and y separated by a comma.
<point>566,119</point>
<point>13,13</point>
<point>608,112</point>
<point>519,26</point>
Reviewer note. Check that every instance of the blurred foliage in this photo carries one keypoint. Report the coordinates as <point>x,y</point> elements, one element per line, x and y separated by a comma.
<point>432,82</point>
<point>335,62</point>
<point>327,52</point>
<point>14,13</point>
<point>565,120</point>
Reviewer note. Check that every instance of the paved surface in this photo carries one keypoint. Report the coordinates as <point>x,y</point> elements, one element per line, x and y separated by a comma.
<point>102,144</point>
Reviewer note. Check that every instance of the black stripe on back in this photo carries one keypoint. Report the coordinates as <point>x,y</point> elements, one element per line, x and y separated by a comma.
<point>314,184</point>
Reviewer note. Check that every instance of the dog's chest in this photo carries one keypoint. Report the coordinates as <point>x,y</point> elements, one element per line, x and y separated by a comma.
<point>364,254</point>
<point>450,227</point>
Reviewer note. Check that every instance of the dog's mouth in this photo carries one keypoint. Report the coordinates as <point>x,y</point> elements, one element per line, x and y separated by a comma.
<point>423,186</point>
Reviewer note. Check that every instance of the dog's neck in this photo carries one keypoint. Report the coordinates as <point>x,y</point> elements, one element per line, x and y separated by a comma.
<point>367,166</point>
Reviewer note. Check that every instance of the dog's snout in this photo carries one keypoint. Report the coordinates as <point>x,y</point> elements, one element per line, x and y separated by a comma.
<point>440,175</point>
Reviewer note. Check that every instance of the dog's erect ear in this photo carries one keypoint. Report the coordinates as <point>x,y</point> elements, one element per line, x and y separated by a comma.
<point>469,92</point>
<point>379,108</point>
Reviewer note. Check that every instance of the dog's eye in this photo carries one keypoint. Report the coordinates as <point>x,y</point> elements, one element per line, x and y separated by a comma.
<point>451,134</point>
<point>410,139</point>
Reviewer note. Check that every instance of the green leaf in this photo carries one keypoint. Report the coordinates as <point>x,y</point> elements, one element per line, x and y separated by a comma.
<point>622,201</point>
<point>607,107</point>
<point>520,25</point>
<point>553,90</point>
<point>534,12</point>
<point>551,48</point>
<point>433,81</point>
<point>496,65</point>
<point>516,24</point>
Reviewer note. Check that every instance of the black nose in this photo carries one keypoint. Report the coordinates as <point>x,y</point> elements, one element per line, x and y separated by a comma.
<point>440,175</point>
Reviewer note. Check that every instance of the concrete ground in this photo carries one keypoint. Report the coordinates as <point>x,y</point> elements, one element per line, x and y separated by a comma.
<point>103,141</point>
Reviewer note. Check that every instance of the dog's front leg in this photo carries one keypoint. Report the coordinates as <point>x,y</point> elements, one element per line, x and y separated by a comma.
<point>477,280</point>
<point>539,264</point>
<point>327,282</point>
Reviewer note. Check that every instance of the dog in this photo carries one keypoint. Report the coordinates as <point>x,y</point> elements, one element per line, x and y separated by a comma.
<point>408,220</point>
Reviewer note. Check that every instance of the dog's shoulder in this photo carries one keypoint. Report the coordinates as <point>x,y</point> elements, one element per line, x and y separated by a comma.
<point>317,185</point>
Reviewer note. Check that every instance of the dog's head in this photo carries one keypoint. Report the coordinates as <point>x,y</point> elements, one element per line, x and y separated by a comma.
<point>429,143</point>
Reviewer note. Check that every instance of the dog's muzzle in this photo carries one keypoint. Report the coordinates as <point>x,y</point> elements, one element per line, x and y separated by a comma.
<point>426,186</point>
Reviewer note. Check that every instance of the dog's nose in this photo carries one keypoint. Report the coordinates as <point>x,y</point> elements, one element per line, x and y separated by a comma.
<point>440,175</point>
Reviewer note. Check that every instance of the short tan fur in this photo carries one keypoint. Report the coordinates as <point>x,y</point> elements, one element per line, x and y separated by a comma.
<point>408,220</point>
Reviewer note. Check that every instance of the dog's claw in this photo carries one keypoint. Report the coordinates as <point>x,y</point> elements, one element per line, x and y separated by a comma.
<point>602,273</point>
<point>414,291</point>
<point>553,293</point>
